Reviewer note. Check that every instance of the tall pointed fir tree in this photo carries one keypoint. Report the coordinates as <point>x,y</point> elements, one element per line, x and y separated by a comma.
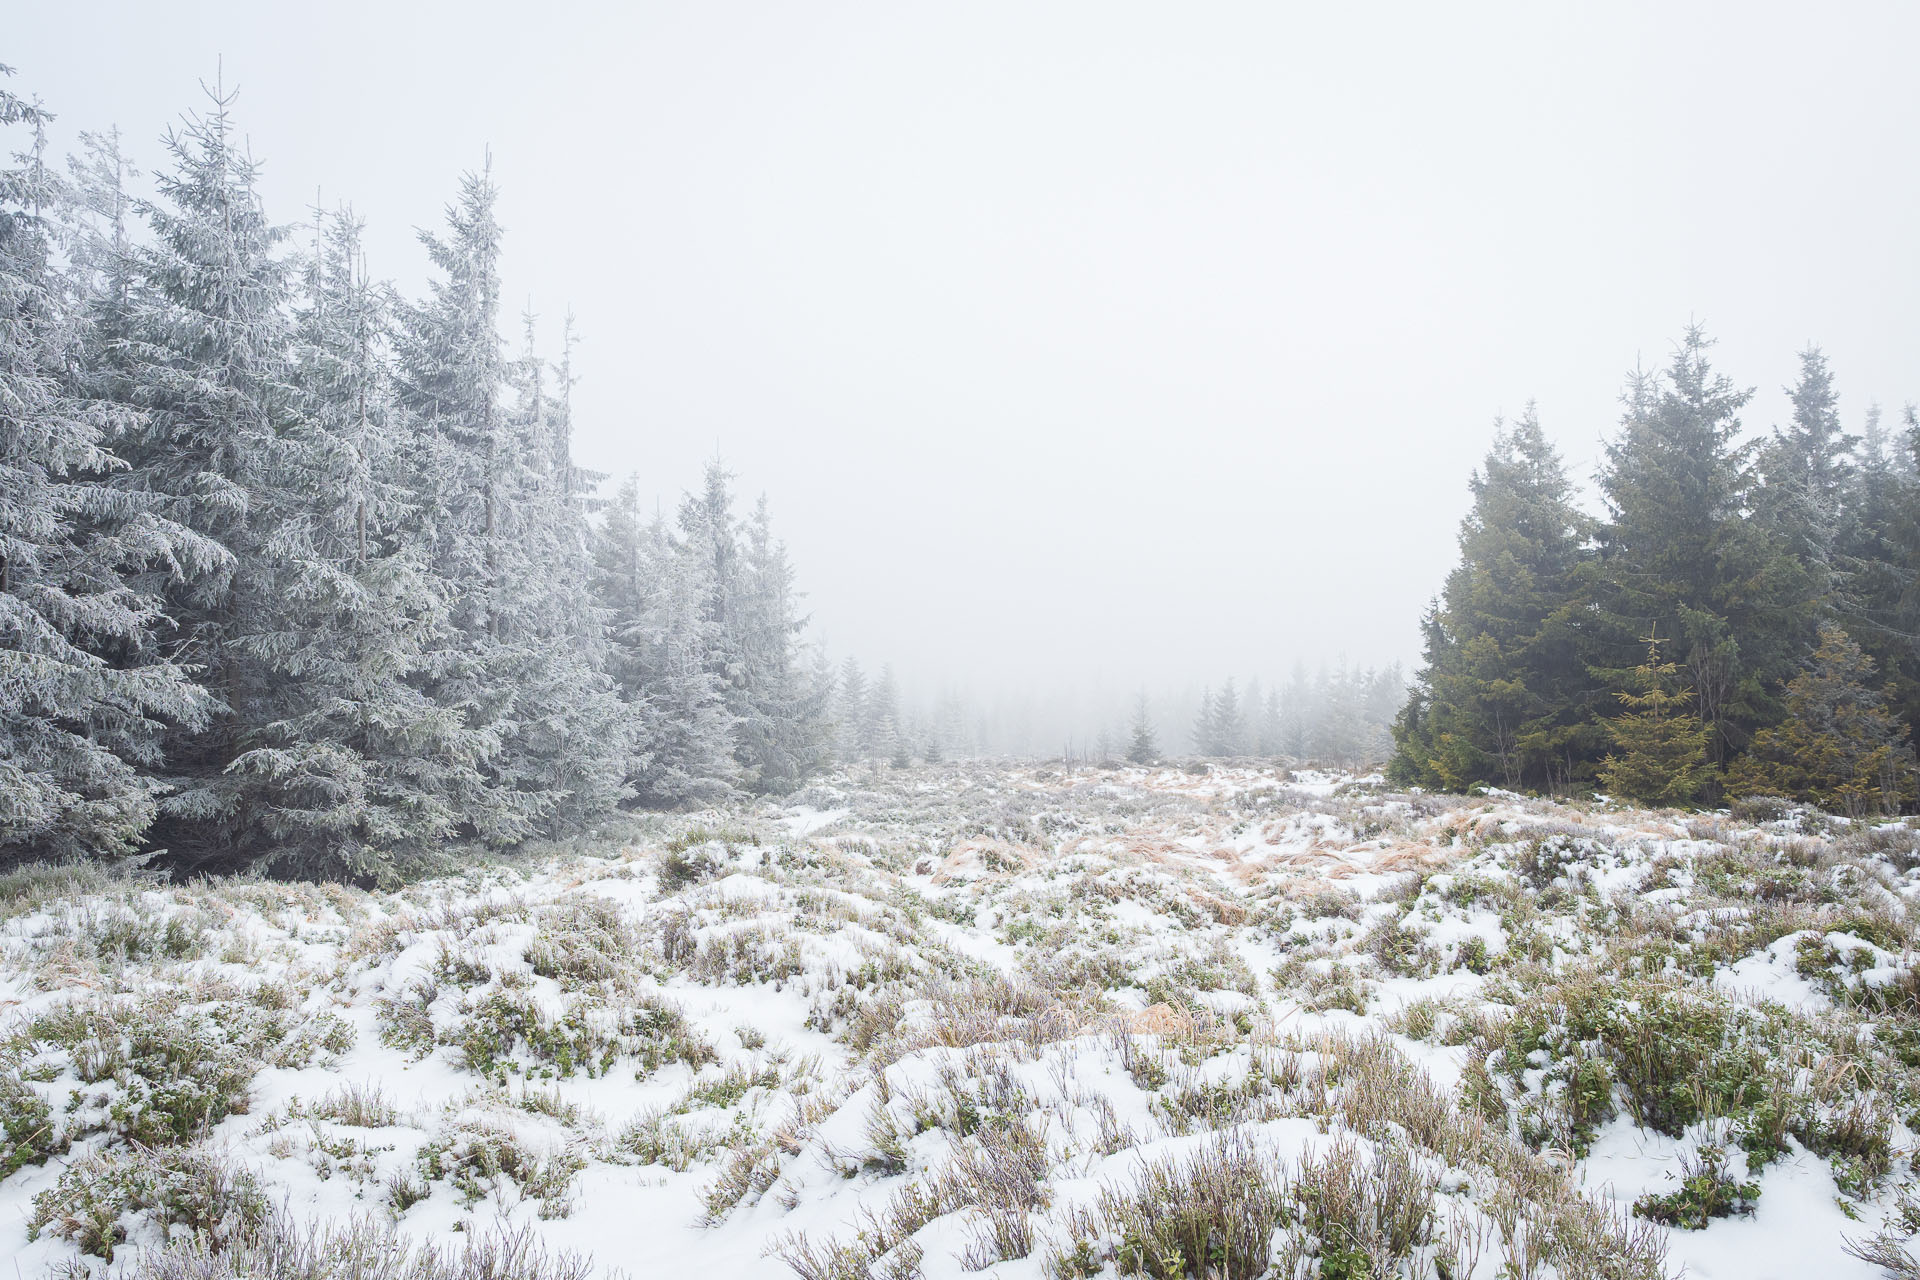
<point>950,726</point>
<point>850,711</point>
<point>692,758</point>
<point>1229,723</point>
<point>209,362</point>
<point>709,541</point>
<point>881,732</point>
<point>627,588</point>
<point>1680,553</point>
<point>506,538</point>
<point>1141,748</point>
<point>1807,471</point>
<point>84,687</point>
<point>1272,736</point>
<point>1500,696</point>
<point>1206,722</point>
<point>349,764</point>
<point>1879,549</point>
<point>1297,713</point>
<point>575,738</point>
<point>1383,693</point>
<point>784,728</point>
<point>1339,732</point>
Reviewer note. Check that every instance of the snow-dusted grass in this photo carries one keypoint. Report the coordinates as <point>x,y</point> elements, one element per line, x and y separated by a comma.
<point>992,1020</point>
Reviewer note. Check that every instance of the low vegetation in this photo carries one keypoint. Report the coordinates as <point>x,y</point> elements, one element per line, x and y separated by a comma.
<point>1158,1023</point>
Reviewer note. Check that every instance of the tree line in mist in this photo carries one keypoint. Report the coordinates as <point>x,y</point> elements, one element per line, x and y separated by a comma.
<point>1337,715</point>
<point>298,572</point>
<point>1743,620</point>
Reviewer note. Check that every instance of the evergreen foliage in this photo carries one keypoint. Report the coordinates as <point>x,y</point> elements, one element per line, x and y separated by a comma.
<point>1141,748</point>
<point>86,686</point>
<point>1500,695</point>
<point>503,532</point>
<point>1680,550</point>
<point>1749,555</point>
<point>1839,747</point>
<point>299,576</point>
<point>1659,754</point>
<point>1220,728</point>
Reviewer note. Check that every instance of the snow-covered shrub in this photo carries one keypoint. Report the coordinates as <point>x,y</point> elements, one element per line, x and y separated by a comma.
<point>365,1250</point>
<point>196,1193</point>
<point>1708,1190</point>
<point>481,1153</point>
<point>1214,1213</point>
<point>28,1134</point>
<point>156,1071</point>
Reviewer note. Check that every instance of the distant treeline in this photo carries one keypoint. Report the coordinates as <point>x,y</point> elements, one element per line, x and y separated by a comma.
<point>1744,619</point>
<point>1337,715</point>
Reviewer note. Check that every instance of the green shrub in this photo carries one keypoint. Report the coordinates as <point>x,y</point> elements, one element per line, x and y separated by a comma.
<point>28,1134</point>
<point>1671,1056</point>
<point>507,1025</point>
<point>1707,1191</point>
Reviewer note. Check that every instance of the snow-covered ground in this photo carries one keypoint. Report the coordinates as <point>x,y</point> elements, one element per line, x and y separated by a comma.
<point>1001,1021</point>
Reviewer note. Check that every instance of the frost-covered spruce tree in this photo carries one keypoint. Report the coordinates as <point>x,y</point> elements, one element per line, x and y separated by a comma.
<point>350,762</point>
<point>209,364</point>
<point>784,731</point>
<point>1206,734</point>
<point>1230,726</point>
<point>709,540</point>
<point>84,690</point>
<point>850,711</point>
<point>1339,733</point>
<point>1272,733</point>
<point>1807,472</point>
<point>659,645</point>
<point>693,745</point>
<point>779,714</point>
<point>575,738</point>
<point>950,725</point>
<point>626,591</point>
<point>503,537</point>
<point>880,731</point>
<point>1879,551</point>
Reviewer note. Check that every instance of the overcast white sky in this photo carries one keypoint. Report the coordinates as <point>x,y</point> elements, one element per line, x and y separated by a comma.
<point>1095,342</point>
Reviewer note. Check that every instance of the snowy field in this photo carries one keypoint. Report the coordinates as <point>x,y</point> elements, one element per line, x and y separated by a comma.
<point>992,1021</point>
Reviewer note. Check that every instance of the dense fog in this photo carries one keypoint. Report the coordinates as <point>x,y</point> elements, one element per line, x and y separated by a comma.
<point>1081,350</point>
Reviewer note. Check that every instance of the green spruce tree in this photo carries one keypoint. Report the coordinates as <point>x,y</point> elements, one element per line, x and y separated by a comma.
<point>1839,747</point>
<point>1502,696</point>
<point>1659,751</point>
<point>1681,551</point>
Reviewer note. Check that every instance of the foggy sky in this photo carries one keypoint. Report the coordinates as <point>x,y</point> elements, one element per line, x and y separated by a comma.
<point>1094,344</point>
